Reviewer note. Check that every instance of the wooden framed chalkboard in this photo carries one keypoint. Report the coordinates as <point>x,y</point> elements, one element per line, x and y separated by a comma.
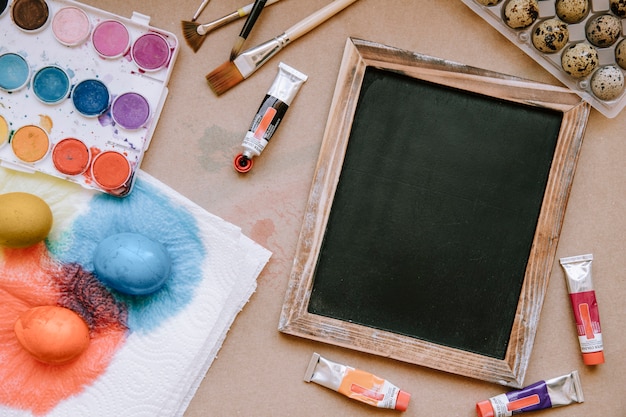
<point>434,214</point>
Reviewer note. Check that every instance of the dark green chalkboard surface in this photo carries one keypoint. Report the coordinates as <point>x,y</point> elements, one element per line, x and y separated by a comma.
<point>435,212</point>
<point>425,206</point>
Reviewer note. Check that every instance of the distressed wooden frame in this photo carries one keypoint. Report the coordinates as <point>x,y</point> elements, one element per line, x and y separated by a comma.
<point>296,320</point>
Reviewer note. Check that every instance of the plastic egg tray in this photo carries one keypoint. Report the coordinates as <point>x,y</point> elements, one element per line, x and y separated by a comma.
<point>522,38</point>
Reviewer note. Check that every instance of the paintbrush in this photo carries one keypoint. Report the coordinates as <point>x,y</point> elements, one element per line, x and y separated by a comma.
<point>200,9</point>
<point>195,33</point>
<point>247,27</point>
<point>231,73</point>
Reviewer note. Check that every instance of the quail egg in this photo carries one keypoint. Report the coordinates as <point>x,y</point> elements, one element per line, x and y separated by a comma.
<point>488,2</point>
<point>618,7</point>
<point>607,83</point>
<point>519,14</point>
<point>604,30</point>
<point>572,11</point>
<point>620,54</point>
<point>579,60</point>
<point>551,35</point>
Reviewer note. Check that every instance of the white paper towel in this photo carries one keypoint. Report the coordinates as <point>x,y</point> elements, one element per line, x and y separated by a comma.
<point>157,372</point>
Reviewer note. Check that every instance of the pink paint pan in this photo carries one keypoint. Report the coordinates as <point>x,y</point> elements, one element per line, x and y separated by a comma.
<point>71,26</point>
<point>111,39</point>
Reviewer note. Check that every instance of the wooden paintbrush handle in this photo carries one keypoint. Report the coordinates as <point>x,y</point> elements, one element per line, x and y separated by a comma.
<point>315,19</point>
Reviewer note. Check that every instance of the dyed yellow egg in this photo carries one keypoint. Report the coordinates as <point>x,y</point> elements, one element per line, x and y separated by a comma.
<point>51,334</point>
<point>25,219</point>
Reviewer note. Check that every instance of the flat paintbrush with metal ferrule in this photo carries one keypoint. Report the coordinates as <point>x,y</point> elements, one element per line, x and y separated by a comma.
<point>233,72</point>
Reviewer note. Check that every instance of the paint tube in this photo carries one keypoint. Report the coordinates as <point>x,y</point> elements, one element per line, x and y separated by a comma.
<point>269,115</point>
<point>356,384</point>
<point>585,307</point>
<point>556,392</point>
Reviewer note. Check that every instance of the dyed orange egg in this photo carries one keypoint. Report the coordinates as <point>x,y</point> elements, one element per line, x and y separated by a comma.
<point>51,334</point>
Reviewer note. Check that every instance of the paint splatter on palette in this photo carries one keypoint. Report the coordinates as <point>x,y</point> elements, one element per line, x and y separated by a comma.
<point>146,354</point>
<point>81,91</point>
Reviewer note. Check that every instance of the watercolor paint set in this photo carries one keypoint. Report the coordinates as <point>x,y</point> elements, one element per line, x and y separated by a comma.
<point>81,91</point>
<point>581,42</point>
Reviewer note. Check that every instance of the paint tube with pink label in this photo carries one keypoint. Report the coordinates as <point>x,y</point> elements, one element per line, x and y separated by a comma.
<point>552,393</point>
<point>585,307</point>
<point>271,112</point>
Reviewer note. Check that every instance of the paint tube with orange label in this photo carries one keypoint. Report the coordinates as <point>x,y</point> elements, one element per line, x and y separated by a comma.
<point>356,384</point>
<point>585,307</point>
<point>269,115</point>
<point>555,392</point>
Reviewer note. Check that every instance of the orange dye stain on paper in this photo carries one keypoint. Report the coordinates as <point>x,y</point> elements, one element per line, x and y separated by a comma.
<point>29,278</point>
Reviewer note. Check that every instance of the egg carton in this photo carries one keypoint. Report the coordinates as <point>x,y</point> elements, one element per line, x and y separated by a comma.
<point>522,38</point>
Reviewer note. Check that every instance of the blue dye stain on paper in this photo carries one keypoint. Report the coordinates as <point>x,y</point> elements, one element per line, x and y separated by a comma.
<point>148,212</point>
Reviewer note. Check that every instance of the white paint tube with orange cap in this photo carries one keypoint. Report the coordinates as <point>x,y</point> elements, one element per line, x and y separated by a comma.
<point>356,384</point>
<point>585,307</point>
<point>269,115</point>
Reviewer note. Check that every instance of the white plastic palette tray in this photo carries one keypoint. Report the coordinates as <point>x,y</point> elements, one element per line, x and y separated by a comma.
<point>102,151</point>
<point>522,38</point>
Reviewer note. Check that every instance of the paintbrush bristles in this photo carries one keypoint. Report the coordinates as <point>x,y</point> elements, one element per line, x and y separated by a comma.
<point>193,38</point>
<point>237,48</point>
<point>224,77</point>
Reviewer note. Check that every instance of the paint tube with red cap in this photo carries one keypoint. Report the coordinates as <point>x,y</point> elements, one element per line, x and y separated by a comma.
<point>585,307</point>
<point>356,384</point>
<point>555,392</point>
<point>269,115</point>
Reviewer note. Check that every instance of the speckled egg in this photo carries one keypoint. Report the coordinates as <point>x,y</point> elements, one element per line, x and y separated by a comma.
<point>551,35</point>
<point>572,11</point>
<point>51,334</point>
<point>488,2</point>
<point>620,54</point>
<point>607,83</point>
<point>25,219</point>
<point>519,14</point>
<point>132,263</point>
<point>618,7</point>
<point>579,60</point>
<point>603,30</point>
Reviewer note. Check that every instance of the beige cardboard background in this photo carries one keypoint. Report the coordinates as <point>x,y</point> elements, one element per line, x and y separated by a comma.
<point>259,371</point>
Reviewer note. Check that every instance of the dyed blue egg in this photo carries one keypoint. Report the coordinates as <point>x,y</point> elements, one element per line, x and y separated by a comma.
<point>132,263</point>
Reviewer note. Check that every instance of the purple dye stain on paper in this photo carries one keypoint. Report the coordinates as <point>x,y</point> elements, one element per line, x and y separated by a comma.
<point>130,111</point>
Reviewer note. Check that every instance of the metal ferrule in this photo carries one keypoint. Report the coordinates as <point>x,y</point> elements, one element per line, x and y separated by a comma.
<point>251,59</point>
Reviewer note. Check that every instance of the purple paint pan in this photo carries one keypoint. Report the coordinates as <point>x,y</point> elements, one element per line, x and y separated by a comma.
<point>151,51</point>
<point>130,111</point>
